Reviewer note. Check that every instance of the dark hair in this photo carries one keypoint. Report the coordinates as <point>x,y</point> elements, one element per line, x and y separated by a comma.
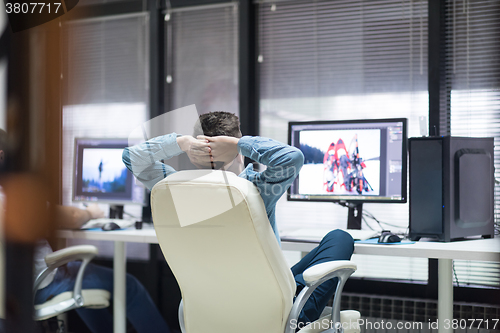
<point>218,123</point>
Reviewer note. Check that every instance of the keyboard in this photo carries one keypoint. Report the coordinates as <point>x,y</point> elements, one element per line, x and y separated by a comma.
<point>98,223</point>
<point>318,234</point>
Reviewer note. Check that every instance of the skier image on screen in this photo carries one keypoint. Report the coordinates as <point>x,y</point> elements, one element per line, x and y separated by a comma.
<point>340,170</point>
<point>330,168</point>
<point>337,166</point>
<point>344,163</point>
<point>356,179</point>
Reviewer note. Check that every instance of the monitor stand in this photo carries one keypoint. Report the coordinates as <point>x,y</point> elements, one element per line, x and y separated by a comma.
<point>116,211</point>
<point>354,216</point>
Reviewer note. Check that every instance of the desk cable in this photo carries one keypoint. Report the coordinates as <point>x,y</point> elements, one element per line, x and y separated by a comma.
<point>455,273</point>
<point>371,216</point>
<point>363,216</point>
<point>366,214</point>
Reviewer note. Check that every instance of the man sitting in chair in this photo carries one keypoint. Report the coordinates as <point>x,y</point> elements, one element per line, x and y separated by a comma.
<point>222,146</point>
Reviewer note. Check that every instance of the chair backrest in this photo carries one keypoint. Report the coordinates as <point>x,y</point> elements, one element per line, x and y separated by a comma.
<point>214,232</point>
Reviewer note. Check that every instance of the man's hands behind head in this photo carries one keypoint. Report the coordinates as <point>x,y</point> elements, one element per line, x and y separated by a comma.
<point>198,151</point>
<point>205,151</point>
<point>223,148</point>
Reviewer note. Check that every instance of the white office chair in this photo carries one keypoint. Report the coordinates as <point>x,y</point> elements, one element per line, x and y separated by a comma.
<point>215,235</point>
<point>69,300</point>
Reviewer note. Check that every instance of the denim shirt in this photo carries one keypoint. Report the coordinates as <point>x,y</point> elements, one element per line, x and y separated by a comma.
<point>283,165</point>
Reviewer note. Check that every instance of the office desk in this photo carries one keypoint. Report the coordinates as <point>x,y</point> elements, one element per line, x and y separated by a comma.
<point>119,237</point>
<point>480,250</point>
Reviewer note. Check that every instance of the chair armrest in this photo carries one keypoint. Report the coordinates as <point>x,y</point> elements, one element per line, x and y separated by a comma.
<point>317,272</point>
<point>70,254</point>
<point>314,276</point>
<point>85,253</point>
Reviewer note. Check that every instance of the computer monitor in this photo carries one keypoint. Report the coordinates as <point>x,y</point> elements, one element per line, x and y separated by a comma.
<point>101,176</point>
<point>351,162</point>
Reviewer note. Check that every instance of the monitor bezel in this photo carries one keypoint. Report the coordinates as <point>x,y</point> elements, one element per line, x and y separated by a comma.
<point>112,143</point>
<point>404,180</point>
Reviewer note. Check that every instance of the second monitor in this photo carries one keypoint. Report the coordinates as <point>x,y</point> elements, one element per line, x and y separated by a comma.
<point>100,176</point>
<point>351,162</point>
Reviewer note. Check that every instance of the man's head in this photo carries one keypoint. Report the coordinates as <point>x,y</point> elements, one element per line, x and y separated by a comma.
<point>218,123</point>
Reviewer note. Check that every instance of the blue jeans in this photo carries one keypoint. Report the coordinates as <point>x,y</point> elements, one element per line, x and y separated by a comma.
<point>336,245</point>
<point>141,311</point>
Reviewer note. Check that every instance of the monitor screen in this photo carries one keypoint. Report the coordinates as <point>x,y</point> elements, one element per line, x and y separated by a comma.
<point>100,175</point>
<point>351,161</point>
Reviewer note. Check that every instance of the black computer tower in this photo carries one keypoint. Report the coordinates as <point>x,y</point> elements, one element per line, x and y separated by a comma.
<point>451,187</point>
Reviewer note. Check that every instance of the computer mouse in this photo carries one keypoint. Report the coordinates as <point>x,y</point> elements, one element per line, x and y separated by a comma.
<point>389,237</point>
<point>110,226</point>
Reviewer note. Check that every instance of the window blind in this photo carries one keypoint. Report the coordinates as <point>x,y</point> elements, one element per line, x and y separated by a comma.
<point>471,97</point>
<point>202,57</point>
<point>332,48</point>
<point>106,89</point>
<point>334,60</point>
<point>107,60</point>
<point>476,273</point>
